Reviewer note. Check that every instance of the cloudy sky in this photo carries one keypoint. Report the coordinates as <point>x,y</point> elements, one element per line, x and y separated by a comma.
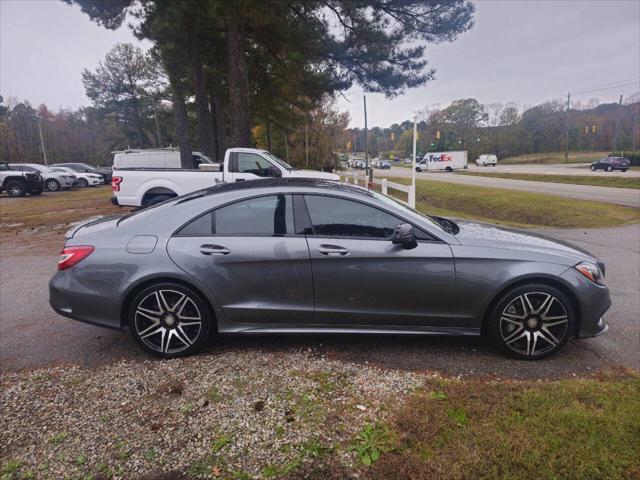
<point>518,50</point>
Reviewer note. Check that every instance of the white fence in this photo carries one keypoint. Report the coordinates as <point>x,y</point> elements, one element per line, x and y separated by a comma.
<point>385,185</point>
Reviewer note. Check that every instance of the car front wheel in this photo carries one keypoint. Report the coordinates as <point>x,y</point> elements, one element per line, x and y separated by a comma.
<point>83,183</point>
<point>169,320</point>
<point>532,321</point>
<point>609,168</point>
<point>52,185</point>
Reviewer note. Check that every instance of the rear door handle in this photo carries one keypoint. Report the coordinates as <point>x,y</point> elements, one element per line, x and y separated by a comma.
<point>214,250</point>
<point>333,250</point>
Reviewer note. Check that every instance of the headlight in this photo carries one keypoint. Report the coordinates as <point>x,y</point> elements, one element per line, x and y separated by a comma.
<point>591,271</point>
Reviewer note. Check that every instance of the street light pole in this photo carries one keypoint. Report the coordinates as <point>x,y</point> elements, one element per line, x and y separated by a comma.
<point>366,144</point>
<point>44,151</point>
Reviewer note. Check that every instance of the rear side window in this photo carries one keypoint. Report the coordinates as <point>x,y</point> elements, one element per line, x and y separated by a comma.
<point>262,216</point>
<point>338,217</point>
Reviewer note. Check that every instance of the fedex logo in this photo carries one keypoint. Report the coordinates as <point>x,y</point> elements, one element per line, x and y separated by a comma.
<point>443,157</point>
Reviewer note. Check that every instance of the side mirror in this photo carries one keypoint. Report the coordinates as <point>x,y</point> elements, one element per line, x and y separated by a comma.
<point>404,236</point>
<point>273,172</point>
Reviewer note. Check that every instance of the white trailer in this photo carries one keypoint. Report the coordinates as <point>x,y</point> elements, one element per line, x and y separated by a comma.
<point>447,161</point>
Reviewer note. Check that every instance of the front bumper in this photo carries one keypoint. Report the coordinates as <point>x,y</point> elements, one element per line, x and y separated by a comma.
<point>593,301</point>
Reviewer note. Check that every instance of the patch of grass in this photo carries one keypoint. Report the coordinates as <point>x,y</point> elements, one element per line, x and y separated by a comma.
<point>518,430</point>
<point>554,157</point>
<point>213,394</point>
<point>59,437</point>
<point>220,442</point>
<point>371,442</point>
<point>516,208</point>
<point>10,469</point>
<point>600,181</point>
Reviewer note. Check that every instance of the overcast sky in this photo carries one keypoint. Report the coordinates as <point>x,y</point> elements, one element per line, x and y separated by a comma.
<point>518,50</point>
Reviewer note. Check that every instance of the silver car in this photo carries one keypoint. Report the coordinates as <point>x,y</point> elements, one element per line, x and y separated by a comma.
<point>303,256</point>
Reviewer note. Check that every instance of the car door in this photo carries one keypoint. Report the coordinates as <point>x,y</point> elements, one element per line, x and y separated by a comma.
<point>250,166</point>
<point>248,255</point>
<point>362,279</point>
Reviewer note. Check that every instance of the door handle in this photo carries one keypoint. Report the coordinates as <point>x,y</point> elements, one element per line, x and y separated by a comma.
<point>333,250</point>
<point>214,250</point>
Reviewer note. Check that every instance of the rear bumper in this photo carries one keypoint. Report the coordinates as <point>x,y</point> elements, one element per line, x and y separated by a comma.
<point>71,298</point>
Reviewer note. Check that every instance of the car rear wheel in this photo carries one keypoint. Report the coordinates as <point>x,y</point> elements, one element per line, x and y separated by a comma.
<point>52,185</point>
<point>593,168</point>
<point>16,188</point>
<point>169,320</point>
<point>532,321</point>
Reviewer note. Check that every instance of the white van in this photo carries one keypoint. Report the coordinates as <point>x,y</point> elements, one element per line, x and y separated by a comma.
<point>447,161</point>
<point>154,158</point>
<point>487,161</point>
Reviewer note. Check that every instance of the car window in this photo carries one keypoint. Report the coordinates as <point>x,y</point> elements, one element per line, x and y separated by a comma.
<point>252,163</point>
<point>338,217</point>
<point>262,216</point>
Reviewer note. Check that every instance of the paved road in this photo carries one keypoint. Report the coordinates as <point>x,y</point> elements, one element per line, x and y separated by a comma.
<point>620,196</point>
<point>580,169</point>
<point>32,335</point>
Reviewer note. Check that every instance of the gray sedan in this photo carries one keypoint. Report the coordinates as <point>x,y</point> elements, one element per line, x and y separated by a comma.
<point>301,256</point>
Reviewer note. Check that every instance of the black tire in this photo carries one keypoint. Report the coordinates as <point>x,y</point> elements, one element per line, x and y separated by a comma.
<point>82,183</point>
<point>52,185</point>
<point>177,333</point>
<point>593,168</point>
<point>418,169</point>
<point>155,200</point>
<point>609,168</point>
<point>521,332</point>
<point>448,169</point>
<point>624,169</point>
<point>16,188</point>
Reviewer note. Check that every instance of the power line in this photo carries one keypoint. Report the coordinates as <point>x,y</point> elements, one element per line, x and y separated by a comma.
<point>610,87</point>
<point>608,84</point>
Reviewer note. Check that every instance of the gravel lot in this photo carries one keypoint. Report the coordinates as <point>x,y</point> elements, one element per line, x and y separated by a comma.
<point>244,414</point>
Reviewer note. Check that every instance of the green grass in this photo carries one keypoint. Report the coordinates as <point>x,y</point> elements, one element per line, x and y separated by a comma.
<point>554,157</point>
<point>516,208</point>
<point>517,430</point>
<point>616,182</point>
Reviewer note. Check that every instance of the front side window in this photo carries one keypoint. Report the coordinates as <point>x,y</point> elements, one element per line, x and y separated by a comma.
<point>255,164</point>
<point>338,217</point>
<point>262,216</point>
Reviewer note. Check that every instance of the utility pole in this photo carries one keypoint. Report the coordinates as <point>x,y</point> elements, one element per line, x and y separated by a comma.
<point>306,142</point>
<point>566,131</point>
<point>617,128</point>
<point>366,144</point>
<point>44,151</point>
<point>413,165</point>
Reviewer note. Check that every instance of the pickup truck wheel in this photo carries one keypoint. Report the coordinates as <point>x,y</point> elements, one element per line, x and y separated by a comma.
<point>52,185</point>
<point>16,188</point>
<point>155,200</point>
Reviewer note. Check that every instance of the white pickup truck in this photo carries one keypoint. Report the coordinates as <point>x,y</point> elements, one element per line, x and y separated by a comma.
<point>142,187</point>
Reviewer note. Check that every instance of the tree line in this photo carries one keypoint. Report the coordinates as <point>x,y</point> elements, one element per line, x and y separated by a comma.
<point>227,67</point>
<point>508,129</point>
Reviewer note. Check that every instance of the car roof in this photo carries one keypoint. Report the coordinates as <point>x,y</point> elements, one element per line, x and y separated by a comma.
<point>277,183</point>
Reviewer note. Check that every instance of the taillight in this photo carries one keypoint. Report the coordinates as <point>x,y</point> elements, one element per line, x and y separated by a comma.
<point>115,183</point>
<point>72,255</point>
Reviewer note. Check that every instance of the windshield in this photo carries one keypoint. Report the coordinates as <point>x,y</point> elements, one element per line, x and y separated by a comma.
<point>279,161</point>
<point>408,211</point>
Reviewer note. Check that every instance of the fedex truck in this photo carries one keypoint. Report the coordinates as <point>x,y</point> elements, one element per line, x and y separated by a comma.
<point>447,161</point>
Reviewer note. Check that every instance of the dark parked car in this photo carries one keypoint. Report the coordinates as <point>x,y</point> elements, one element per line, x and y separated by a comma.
<point>17,183</point>
<point>104,172</point>
<point>611,163</point>
<point>282,256</point>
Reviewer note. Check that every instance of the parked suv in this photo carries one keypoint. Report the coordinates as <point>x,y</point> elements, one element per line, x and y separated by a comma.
<point>611,163</point>
<point>53,181</point>
<point>18,184</point>
<point>104,172</point>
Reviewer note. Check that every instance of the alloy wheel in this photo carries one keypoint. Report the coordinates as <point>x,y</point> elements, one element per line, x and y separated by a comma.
<point>52,185</point>
<point>168,321</point>
<point>533,323</point>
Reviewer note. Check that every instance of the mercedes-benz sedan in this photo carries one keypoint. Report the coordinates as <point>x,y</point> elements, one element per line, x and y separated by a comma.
<point>300,256</point>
